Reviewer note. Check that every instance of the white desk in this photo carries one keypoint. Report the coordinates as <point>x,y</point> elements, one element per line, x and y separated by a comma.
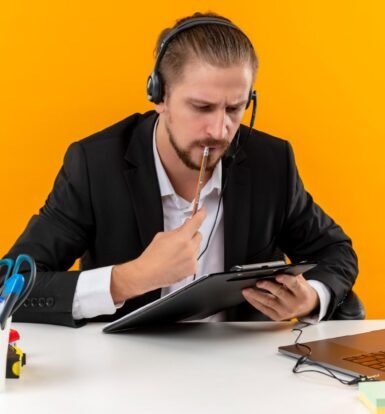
<point>197,368</point>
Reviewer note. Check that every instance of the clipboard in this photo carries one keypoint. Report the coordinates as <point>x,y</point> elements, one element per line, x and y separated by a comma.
<point>205,296</point>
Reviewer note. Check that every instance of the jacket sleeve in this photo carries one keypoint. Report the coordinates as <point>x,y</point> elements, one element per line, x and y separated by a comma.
<point>309,233</point>
<point>55,238</point>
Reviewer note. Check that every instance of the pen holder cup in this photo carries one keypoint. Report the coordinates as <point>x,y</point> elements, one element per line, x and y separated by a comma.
<point>4,340</point>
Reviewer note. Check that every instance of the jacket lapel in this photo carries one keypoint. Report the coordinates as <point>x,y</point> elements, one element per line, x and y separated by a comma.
<point>236,210</point>
<point>142,181</point>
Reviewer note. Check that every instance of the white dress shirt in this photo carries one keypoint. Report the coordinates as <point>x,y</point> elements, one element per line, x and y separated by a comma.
<point>92,294</point>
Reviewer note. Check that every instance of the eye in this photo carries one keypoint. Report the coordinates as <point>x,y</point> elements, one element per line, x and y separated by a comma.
<point>233,109</point>
<point>202,108</point>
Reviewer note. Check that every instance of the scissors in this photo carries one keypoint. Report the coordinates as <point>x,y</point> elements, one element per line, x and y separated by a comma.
<point>14,291</point>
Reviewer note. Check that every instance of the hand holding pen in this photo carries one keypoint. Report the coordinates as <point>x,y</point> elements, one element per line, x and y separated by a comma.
<point>169,258</point>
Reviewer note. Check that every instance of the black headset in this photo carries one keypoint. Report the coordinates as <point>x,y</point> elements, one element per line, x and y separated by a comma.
<point>155,85</point>
<point>155,92</point>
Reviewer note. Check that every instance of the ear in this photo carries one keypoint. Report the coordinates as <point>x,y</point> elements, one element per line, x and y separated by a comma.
<point>160,107</point>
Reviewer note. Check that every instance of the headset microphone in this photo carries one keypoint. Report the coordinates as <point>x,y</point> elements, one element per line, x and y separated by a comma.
<point>253,98</point>
<point>234,153</point>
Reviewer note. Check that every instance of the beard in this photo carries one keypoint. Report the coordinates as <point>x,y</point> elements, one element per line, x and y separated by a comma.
<point>185,155</point>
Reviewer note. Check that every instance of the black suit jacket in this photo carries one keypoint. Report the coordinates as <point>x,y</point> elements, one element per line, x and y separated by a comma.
<point>105,208</point>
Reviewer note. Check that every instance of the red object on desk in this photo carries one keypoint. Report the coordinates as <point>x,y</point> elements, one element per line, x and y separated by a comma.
<point>13,336</point>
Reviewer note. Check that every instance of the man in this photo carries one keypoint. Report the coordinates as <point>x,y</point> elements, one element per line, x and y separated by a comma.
<point>124,196</point>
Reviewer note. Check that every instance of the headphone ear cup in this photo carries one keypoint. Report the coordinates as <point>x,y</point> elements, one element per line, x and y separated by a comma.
<point>154,88</point>
<point>150,93</point>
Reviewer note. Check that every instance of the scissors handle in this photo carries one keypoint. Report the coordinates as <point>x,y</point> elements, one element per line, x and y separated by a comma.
<point>31,280</point>
<point>21,259</point>
<point>13,268</point>
<point>9,264</point>
<point>12,290</point>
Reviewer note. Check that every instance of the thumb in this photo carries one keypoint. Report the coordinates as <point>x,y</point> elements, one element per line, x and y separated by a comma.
<point>191,226</point>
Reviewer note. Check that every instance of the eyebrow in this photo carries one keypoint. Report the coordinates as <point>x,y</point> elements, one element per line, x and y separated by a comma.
<point>203,102</point>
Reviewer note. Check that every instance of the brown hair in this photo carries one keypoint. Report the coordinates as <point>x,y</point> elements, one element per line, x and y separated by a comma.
<point>216,44</point>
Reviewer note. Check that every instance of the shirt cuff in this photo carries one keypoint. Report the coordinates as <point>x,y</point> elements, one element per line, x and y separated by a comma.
<point>324,296</point>
<point>93,294</point>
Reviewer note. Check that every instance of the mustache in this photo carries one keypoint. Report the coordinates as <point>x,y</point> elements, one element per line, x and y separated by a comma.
<point>210,142</point>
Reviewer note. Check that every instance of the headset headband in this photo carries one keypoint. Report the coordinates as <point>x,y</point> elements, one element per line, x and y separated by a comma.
<point>196,21</point>
<point>155,87</point>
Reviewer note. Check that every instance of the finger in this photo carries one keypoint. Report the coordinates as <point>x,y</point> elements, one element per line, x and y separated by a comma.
<point>254,298</point>
<point>191,226</point>
<point>292,283</point>
<point>277,289</point>
<point>284,299</point>
<point>281,292</point>
<point>269,304</point>
<point>262,298</point>
<point>197,240</point>
<point>197,237</point>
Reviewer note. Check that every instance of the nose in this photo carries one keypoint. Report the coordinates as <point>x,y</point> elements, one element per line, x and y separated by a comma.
<point>217,125</point>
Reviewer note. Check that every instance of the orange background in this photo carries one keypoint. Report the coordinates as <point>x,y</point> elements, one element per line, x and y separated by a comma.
<point>71,68</point>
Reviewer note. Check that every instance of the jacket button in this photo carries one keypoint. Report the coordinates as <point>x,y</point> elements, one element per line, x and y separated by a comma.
<point>49,302</point>
<point>33,302</point>
<point>41,302</point>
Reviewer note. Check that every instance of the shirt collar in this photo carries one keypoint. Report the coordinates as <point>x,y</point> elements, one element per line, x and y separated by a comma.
<point>166,188</point>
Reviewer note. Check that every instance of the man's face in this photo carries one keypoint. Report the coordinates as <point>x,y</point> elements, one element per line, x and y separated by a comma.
<point>204,108</point>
